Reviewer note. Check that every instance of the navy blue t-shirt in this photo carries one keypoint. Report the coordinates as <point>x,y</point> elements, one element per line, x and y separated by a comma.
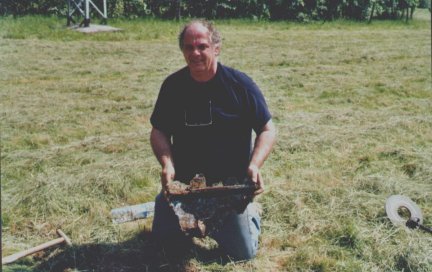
<point>210,124</point>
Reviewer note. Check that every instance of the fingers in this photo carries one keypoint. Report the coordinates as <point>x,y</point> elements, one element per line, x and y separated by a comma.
<point>255,175</point>
<point>260,183</point>
<point>253,172</point>
<point>167,176</point>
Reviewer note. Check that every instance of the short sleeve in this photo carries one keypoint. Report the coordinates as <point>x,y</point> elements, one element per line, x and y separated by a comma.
<point>258,109</point>
<point>161,118</point>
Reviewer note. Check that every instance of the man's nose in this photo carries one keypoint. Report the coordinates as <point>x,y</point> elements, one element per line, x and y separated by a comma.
<point>195,51</point>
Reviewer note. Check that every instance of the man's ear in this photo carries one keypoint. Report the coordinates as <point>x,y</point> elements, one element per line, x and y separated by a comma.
<point>217,49</point>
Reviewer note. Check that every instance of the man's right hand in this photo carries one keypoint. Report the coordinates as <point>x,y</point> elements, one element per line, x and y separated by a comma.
<point>167,175</point>
<point>255,175</point>
<point>161,146</point>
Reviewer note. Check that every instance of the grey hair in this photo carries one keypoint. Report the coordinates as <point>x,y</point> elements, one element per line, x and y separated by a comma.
<point>215,37</point>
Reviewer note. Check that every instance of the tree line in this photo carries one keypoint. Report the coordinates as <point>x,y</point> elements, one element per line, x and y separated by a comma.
<point>296,10</point>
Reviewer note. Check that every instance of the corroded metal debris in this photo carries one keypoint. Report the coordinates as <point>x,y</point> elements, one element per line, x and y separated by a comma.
<point>201,209</point>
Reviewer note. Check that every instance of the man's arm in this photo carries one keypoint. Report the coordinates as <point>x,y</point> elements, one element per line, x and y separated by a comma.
<point>161,146</point>
<point>263,145</point>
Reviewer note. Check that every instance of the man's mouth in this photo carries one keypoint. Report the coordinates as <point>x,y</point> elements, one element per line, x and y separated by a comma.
<point>196,62</point>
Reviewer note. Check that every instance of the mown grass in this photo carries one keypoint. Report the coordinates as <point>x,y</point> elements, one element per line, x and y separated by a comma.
<point>352,103</point>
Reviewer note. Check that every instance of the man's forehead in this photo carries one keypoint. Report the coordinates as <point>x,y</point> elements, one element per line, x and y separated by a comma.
<point>196,41</point>
<point>197,32</point>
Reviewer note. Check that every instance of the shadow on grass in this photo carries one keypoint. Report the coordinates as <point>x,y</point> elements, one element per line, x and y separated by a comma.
<point>137,254</point>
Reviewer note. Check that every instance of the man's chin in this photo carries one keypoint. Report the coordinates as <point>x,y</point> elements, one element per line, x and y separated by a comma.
<point>197,68</point>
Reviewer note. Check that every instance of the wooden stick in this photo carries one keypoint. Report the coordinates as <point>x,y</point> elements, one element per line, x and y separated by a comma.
<point>66,239</point>
<point>18,255</point>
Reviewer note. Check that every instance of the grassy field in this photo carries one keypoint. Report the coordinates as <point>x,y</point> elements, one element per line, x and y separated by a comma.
<point>352,103</point>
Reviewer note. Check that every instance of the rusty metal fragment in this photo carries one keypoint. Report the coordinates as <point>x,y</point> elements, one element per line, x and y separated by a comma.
<point>201,209</point>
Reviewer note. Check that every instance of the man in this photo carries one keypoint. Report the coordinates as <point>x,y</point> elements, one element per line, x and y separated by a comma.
<point>202,123</point>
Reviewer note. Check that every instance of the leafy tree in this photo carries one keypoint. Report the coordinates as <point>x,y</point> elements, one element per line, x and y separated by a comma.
<point>300,10</point>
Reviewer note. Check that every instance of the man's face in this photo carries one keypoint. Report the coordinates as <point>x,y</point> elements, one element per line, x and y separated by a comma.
<point>200,54</point>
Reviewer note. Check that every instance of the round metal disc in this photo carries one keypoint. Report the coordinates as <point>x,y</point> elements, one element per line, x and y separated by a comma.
<point>395,202</point>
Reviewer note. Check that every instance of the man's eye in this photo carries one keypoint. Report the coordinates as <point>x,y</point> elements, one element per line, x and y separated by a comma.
<point>202,47</point>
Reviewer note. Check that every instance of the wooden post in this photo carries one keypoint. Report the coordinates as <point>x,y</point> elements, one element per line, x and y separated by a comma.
<point>87,14</point>
<point>105,15</point>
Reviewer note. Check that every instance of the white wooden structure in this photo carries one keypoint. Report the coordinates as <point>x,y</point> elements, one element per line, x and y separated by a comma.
<point>83,8</point>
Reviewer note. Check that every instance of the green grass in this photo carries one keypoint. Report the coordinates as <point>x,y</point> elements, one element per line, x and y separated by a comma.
<point>352,103</point>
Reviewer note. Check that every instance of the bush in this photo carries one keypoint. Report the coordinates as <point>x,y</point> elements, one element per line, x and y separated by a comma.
<point>424,4</point>
<point>24,7</point>
<point>127,8</point>
<point>300,10</point>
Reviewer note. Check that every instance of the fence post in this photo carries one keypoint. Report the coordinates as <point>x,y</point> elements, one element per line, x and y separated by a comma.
<point>87,14</point>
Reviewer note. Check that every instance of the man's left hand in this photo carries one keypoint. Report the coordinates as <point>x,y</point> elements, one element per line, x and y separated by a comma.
<point>255,175</point>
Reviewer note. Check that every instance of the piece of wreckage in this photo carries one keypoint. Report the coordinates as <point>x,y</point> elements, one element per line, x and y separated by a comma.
<point>201,209</point>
